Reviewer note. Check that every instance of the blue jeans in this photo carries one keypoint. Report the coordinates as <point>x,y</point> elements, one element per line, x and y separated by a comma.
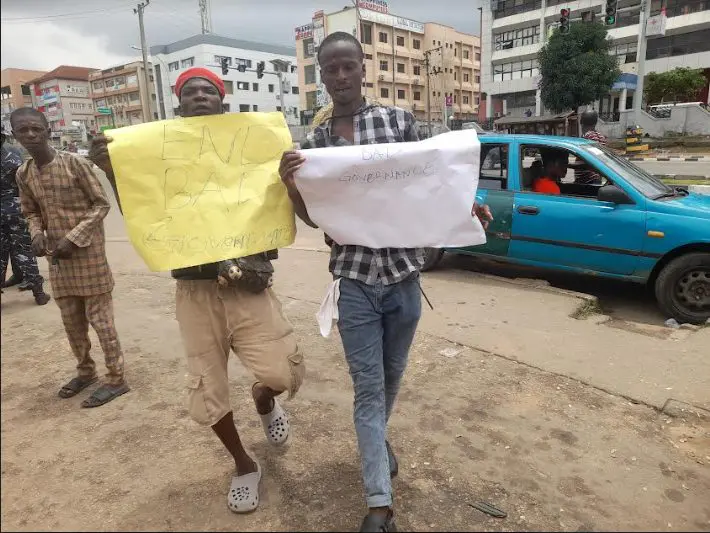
<point>377,325</point>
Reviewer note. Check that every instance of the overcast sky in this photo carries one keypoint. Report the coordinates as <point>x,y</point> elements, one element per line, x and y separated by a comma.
<point>43,34</point>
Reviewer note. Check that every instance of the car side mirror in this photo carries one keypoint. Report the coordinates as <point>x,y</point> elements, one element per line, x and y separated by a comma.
<point>614,195</point>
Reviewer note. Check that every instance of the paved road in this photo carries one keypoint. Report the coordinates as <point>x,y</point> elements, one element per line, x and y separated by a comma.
<point>687,168</point>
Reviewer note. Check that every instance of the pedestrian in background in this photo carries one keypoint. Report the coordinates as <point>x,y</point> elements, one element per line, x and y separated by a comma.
<point>16,244</point>
<point>215,319</point>
<point>588,120</point>
<point>65,205</point>
<point>380,296</point>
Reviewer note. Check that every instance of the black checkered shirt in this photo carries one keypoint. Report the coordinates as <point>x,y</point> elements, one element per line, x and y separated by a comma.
<point>372,124</point>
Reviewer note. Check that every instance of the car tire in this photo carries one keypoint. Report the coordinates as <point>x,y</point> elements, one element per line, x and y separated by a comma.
<point>432,256</point>
<point>683,288</point>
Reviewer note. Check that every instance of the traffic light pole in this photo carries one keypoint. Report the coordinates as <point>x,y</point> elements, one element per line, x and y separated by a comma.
<point>641,60</point>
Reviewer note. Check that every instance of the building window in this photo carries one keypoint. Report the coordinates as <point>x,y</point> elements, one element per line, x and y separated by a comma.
<point>466,77</point>
<point>173,66</point>
<point>271,87</point>
<point>98,85</point>
<point>455,76</point>
<point>134,97</point>
<point>255,87</point>
<point>228,86</point>
<point>400,40</point>
<point>477,79</point>
<point>516,70</point>
<point>384,65</point>
<point>366,31</point>
<point>383,37</point>
<point>278,108</point>
<point>243,85</point>
<point>456,98</point>
<point>218,60</point>
<point>187,63</point>
<point>294,89</point>
<point>243,62</point>
<point>243,108</point>
<point>417,95</point>
<point>308,47</point>
<point>514,38</point>
<point>384,92</point>
<point>132,80</point>
<point>465,99</point>
<point>466,54</point>
<point>309,74</point>
<point>417,70</point>
<point>456,50</point>
<point>401,94</point>
<point>625,52</point>
<point>416,44</point>
<point>506,8</point>
<point>679,44</point>
<point>478,57</point>
<point>255,108</point>
<point>401,68</point>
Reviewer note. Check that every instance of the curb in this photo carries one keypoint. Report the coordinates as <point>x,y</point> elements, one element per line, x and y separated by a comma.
<point>675,159</point>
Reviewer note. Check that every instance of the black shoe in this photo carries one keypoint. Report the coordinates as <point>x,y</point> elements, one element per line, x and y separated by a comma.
<point>24,286</point>
<point>392,458</point>
<point>12,280</point>
<point>377,522</point>
<point>41,297</point>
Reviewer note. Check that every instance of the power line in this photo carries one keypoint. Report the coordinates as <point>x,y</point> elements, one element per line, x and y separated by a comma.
<point>82,14</point>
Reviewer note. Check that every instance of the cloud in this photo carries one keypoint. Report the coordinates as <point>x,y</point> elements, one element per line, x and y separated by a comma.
<point>46,45</point>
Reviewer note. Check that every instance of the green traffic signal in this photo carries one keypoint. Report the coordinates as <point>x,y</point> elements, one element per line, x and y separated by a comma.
<point>610,20</point>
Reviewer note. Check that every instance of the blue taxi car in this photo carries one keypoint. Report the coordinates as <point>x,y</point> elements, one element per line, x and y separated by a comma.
<point>610,219</point>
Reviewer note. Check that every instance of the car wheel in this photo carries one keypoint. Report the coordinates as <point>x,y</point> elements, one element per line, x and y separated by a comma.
<point>683,288</point>
<point>432,256</point>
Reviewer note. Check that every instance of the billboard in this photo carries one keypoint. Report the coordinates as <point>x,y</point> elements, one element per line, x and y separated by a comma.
<point>379,6</point>
<point>391,20</point>
<point>304,32</point>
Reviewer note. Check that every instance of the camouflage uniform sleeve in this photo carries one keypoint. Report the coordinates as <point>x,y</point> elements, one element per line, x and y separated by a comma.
<point>28,204</point>
<point>83,232</point>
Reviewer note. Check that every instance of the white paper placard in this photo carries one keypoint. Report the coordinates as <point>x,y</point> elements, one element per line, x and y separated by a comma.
<point>398,195</point>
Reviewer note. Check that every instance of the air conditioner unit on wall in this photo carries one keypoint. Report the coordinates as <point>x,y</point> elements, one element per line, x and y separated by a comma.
<point>381,77</point>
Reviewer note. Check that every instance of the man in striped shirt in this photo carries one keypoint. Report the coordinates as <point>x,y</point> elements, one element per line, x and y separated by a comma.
<point>380,300</point>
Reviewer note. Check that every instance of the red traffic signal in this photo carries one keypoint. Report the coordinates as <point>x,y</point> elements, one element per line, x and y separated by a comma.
<point>564,20</point>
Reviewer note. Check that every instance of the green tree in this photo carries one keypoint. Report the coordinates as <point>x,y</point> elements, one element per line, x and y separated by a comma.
<point>576,68</point>
<point>681,84</point>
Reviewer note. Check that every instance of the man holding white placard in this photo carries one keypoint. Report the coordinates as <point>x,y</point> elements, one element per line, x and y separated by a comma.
<point>376,293</point>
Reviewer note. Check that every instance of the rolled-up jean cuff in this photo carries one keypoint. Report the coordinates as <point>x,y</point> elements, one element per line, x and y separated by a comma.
<point>381,500</point>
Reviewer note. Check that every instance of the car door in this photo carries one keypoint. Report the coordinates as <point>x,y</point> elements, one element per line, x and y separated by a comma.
<point>570,231</point>
<point>495,191</point>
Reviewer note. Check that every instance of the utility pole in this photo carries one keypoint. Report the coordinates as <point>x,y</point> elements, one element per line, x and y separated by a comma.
<point>205,16</point>
<point>641,59</point>
<point>144,50</point>
<point>429,72</point>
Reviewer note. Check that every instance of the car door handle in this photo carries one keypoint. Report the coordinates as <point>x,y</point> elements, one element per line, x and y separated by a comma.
<point>528,210</point>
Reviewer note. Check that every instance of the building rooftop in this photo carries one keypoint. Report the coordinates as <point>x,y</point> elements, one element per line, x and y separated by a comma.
<point>218,40</point>
<point>65,72</point>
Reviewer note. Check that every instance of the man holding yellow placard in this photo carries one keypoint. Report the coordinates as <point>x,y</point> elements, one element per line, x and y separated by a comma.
<point>223,304</point>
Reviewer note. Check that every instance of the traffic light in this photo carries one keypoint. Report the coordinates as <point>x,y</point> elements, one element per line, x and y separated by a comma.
<point>611,7</point>
<point>564,20</point>
<point>260,69</point>
<point>225,66</point>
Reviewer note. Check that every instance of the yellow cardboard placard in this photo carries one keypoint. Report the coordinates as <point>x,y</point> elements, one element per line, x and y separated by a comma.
<point>203,189</point>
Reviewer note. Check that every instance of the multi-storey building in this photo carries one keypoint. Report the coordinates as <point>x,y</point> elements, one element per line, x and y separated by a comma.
<point>396,51</point>
<point>515,30</point>
<point>122,90</point>
<point>15,90</point>
<point>63,96</point>
<point>244,91</point>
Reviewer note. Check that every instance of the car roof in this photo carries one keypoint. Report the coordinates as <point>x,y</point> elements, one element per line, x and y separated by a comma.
<point>553,140</point>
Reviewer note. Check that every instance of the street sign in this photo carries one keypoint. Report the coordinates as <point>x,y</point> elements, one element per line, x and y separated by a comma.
<point>103,110</point>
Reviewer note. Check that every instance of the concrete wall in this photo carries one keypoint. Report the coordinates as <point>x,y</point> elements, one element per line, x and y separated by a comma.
<point>688,120</point>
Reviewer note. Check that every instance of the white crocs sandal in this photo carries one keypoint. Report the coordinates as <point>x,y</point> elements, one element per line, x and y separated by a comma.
<point>243,496</point>
<point>276,425</point>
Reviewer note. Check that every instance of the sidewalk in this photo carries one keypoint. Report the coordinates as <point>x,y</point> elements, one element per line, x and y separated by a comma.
<point>470,425</point>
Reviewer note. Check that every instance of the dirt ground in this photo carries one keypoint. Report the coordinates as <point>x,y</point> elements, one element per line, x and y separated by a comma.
<point>470,426</point>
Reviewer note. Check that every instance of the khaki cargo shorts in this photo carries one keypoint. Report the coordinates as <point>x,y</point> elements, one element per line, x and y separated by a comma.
<point>214,320</point>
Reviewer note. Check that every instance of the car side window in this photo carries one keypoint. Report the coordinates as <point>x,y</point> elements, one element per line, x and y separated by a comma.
<point>494,167</point>
<point>571,173</point>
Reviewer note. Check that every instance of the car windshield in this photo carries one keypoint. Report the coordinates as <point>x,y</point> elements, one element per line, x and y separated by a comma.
<point>642,181</point>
